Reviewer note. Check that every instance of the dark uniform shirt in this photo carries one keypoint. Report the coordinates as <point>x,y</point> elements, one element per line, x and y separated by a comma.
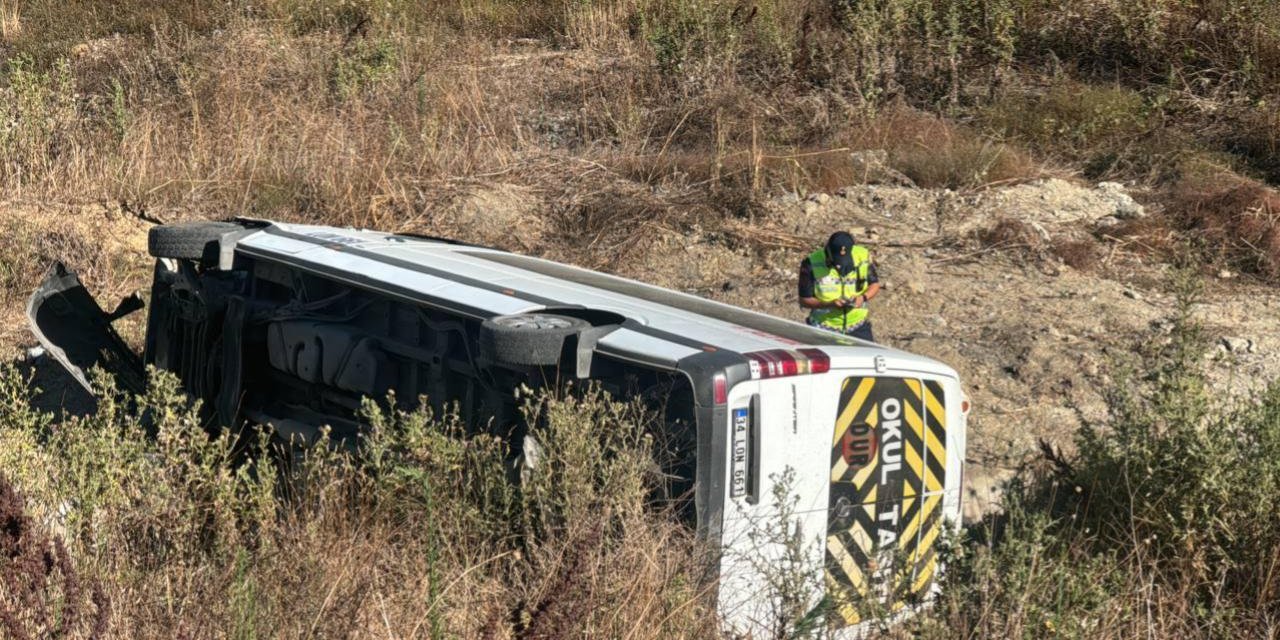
<point>806,278</point>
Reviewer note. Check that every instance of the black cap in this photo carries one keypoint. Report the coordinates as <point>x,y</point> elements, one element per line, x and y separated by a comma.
<point>840,252</point>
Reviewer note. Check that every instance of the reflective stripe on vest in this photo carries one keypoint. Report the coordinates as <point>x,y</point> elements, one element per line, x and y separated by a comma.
<point>829,286</point>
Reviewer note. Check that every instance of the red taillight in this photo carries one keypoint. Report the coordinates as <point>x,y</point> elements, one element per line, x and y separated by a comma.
<point>721,388</point>
<point>819,362</point>
<point>779,363</point>
<point>964,406</point>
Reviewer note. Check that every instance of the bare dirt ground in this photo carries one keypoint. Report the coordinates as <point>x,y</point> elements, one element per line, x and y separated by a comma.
<point>1034,339</point>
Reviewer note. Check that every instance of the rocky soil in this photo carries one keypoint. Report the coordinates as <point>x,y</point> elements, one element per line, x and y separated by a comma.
<point>1034,338</point>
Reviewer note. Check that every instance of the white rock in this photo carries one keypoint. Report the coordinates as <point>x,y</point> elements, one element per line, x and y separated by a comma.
<point>1039,229</point>
<point>1126,208</point>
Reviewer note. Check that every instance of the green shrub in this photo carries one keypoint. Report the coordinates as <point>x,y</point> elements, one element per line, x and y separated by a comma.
<point>1161,522</point>
<point>363,66</point>
<point>39,111</point>
<point>1029,574</point>
<point>1192,477</point>
<point>422,530</point>
<point>1076,118</point>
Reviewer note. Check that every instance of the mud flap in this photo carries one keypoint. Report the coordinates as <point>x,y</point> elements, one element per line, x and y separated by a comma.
<point>77,333</point>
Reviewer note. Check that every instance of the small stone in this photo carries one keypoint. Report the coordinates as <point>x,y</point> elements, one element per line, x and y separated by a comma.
<point>1226,274</point>
<point>810,208</point>
<point>1107,222</point>
<point>1039,229</point>
<point>35,353</point>
<point>1126,208</point>
<point>1130,293</point>
<point>820,198</point>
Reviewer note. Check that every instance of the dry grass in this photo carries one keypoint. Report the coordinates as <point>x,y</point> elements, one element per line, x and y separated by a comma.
<point>370,123</point>
<point>1233,222</point>
<point>618,119</point>
<point>1077,253</point>
<point>420,536</point>
<point>1009,234</point>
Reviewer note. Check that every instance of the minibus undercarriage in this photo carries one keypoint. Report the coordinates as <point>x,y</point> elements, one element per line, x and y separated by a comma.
<point>271,344</point>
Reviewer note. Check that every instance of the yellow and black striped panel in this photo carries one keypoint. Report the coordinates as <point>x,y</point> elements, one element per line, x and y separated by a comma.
<point>923,554</point>
<point>888,461</point>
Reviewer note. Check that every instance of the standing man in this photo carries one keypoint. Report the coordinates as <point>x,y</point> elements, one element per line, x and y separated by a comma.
<point>836,282</point>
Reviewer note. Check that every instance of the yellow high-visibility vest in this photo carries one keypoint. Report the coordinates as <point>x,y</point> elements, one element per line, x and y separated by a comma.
<point>829,286</point>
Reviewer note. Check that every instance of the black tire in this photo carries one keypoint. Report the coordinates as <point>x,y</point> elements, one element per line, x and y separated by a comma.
<point>188,240</point>
<point>528,339</point>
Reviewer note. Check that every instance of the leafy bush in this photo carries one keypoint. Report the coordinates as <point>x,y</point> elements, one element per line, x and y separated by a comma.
<point>1189,477</point>
<point>362,66</point>
<point>1074,117</point>
<point>422,532</point>
<point>1160,523</point>
<point>41,593</point>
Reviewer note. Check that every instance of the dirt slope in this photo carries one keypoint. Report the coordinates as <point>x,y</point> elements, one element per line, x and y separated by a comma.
<point>1034,339</point>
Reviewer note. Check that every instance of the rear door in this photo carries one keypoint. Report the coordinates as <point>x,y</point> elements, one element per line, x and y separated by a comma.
<point>887,476</point>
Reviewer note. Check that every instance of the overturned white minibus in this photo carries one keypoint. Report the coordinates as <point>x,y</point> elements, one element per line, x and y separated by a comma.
<point>294,325</point>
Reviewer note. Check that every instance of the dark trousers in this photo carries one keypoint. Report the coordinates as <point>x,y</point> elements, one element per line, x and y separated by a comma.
<point>862,331</point>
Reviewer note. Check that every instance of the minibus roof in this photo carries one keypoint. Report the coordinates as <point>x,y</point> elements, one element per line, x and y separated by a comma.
<point>479,282</point>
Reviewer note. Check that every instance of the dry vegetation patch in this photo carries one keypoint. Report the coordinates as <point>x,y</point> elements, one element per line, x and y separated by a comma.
<point>588,130</point>
<point>42,594</point>
<point>1235,223</point>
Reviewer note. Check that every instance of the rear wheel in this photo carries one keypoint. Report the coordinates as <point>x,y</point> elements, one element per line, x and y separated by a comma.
<point>528,339</point>
<point>188,240</point>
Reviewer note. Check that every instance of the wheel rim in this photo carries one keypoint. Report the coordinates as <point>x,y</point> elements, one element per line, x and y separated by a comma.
<point>534,321</point>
